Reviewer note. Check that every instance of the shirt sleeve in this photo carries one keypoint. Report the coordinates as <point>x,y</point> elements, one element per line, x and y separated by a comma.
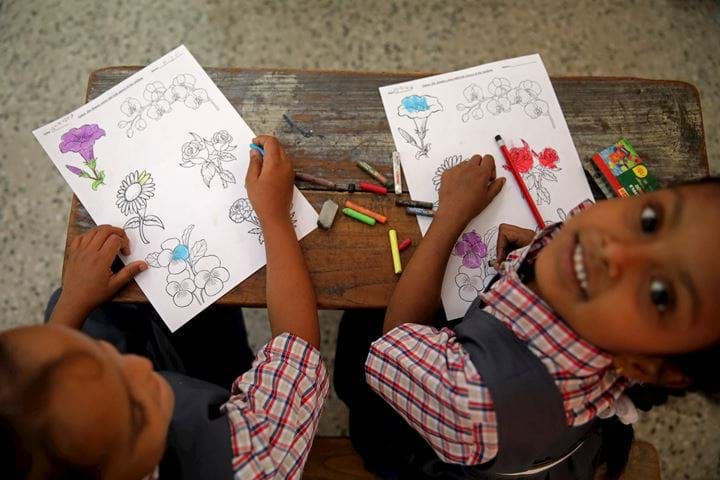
<point>430,380</point>
<point>274,409</point>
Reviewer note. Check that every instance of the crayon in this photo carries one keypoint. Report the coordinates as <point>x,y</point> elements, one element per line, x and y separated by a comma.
<point>414,203</point>
<point>405,244</point>
<point>392,234</point>
<point>518,179</point>
<point>327,214</point>
<point>358,216</point>
<point>365,211</point>
<point>419,211</point>
<point>306,177</point>
<point>371,187</point>
<point>370,170</point>
<point>397,173</point>
<point>254,146</point>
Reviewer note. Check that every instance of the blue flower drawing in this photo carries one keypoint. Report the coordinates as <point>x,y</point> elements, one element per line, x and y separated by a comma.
<point>418,108</point>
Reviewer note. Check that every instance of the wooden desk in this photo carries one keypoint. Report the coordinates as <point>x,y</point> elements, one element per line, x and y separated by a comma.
<point>337,118</point>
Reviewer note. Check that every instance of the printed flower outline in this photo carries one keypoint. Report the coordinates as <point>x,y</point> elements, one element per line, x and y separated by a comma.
<point>503,96</point>
<point>82,140</point>
<point>181,288</point>
<point>192,275</point>
<point>469,286</point>
<point>160,100</point>
<point>241,211</point>
<point>211,275</point>
<point>132,197</point>
<point>418,108</point>
<point>210,155</point>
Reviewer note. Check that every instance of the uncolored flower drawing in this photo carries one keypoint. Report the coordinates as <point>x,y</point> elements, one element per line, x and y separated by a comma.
<point>241,211</point>
<point>159,101</point>
<point>82,141</point>
<point>210,155</point>
<point>132,197</point>
<point>502,98</point>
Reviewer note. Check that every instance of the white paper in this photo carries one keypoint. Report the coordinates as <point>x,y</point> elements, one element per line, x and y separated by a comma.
<point>199,233</point>
<point>440,120</point>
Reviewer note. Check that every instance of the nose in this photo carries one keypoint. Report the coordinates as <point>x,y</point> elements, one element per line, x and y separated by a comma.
<point>623,255</point>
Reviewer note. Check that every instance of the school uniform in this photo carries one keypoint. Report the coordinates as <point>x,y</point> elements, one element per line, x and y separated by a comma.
<point>509,389</point>
<point>235,416</point>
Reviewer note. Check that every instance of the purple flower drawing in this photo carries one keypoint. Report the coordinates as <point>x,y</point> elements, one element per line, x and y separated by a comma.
<point>82,140</point>
<point>474,251</point>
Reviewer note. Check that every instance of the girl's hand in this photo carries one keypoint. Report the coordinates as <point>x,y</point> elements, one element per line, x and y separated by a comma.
<point>511,237</point>
<point>269,180</point>
<point>88,281</point>
<point>468,188</point>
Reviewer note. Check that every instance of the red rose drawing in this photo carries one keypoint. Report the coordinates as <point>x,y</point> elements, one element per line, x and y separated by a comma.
<point>522,158</point>
<point>549,158</point>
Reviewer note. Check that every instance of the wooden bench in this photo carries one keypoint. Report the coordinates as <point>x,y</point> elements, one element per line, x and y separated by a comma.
<point>333,458</point>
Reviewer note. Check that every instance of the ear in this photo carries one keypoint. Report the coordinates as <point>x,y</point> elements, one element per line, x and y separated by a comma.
<point>649,369</point>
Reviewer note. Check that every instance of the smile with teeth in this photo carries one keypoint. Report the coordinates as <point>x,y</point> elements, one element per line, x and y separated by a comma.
<point>579,265</point>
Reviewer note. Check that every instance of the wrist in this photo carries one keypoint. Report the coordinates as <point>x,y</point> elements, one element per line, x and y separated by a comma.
<point>70,312</point>
<point>449,221</point>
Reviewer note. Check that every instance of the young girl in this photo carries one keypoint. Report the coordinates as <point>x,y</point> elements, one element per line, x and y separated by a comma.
<point>73,406</point>
<point>623,293</point>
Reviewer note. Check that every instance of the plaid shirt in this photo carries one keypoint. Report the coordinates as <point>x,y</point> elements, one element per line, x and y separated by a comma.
<point>275,408</point>
<point>430,380</point>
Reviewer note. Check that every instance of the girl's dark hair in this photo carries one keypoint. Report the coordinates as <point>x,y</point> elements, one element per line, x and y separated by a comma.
<point>26,451</point>
<point>698,367</point>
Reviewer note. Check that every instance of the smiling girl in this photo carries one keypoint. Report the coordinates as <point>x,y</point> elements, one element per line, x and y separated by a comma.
<point>623,293</point>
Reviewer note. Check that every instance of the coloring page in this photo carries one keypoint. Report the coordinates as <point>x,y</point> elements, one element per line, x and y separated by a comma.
<point>163,154</point>
<point>440,121</point>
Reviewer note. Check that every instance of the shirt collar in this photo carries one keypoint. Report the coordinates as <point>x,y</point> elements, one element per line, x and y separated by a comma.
<point>533,320</point>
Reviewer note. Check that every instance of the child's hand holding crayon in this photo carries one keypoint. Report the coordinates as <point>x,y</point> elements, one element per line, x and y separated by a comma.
<point>269,180</point>
<point>88,281</point>
<point>511,237</point>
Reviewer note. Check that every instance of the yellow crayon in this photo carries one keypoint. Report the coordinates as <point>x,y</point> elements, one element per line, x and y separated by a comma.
<point>395,251</point>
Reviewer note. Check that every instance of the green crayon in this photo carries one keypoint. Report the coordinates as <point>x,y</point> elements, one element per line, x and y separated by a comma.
<point>358,216</point>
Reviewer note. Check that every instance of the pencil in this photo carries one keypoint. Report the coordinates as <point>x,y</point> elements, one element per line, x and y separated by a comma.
<point>523,188</point>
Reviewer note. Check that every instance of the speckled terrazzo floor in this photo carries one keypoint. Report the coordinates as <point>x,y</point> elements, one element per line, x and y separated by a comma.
<point>47,49</point>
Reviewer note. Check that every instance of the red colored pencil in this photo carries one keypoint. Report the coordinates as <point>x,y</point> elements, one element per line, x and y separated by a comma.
<point>525,192</point>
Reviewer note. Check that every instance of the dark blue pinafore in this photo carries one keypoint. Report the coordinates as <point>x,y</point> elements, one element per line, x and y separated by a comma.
<point>533,435</point>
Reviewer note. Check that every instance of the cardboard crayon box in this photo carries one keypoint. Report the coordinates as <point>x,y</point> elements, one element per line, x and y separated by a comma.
<point>621,169</point>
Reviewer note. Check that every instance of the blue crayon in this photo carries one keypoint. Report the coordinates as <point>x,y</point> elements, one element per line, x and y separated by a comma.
<point>258,148</point>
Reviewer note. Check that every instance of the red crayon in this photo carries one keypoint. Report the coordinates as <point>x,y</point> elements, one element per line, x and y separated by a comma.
<point>405,244</point>
<point>371,187</point>
<point>521,184</point>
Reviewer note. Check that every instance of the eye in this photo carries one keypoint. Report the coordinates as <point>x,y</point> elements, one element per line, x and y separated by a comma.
<point>649,219</point>
<point>661,295</point>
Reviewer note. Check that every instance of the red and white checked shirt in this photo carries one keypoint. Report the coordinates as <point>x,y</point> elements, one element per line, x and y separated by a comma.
<point>275,408</point>
<point>430,380</point>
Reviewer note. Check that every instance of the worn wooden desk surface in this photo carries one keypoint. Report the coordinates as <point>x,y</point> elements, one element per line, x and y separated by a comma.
<point>337,118</point>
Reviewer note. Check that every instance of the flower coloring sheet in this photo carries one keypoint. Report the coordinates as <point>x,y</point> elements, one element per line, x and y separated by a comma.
<point>439,121</point>
<point>163,154</point>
